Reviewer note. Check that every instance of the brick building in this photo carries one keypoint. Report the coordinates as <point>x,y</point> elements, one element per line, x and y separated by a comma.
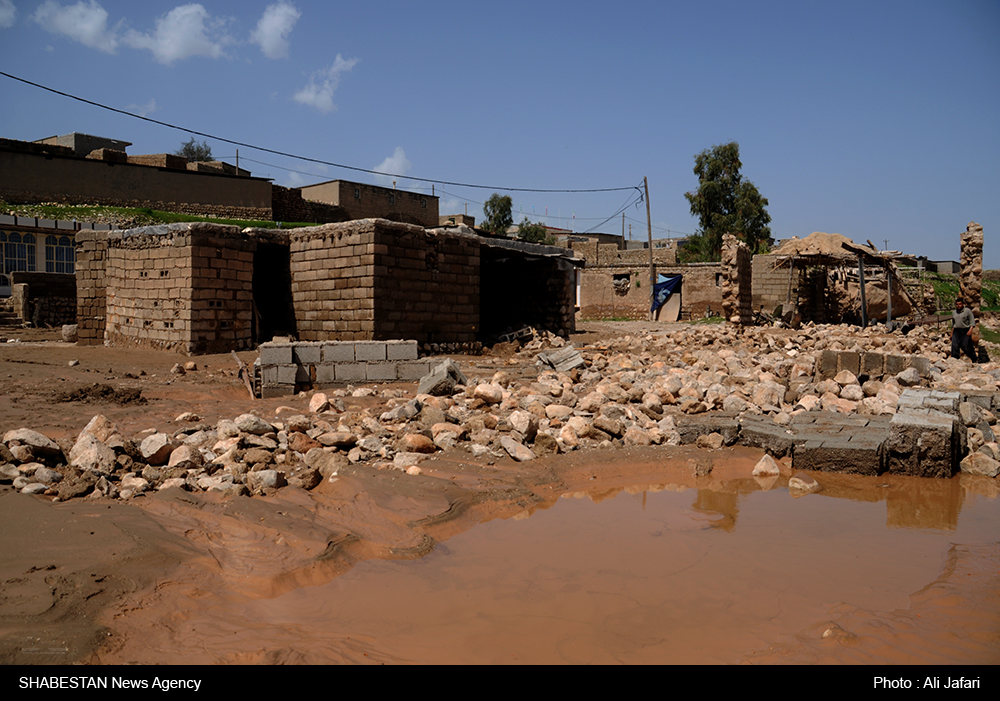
<point>203,288</point>
<point>362,201</point>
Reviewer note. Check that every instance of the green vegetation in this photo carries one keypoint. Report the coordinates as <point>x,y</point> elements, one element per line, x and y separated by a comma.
<point>497,214</point>
<point>128,216</point>
<point>709,320</point>
<point>946,289</point>
<point>989,335</point>
<point>193,151</point>
<point>724,203</point>
<point>534,233</point>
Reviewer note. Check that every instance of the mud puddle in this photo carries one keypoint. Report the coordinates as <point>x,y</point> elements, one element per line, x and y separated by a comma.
<point>681,577</point>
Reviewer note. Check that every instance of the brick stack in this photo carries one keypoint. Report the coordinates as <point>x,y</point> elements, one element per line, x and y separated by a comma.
<point>287,368</point>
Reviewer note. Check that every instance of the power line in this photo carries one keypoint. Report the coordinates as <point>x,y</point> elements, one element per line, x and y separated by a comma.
<point>301,158</point>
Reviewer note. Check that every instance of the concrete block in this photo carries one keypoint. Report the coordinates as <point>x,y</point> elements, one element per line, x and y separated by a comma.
<point>380,372</point>
<point>691,427</point>
<point>326,373</point>
<point>764,433</point>
<point>852,454</point>
<point>412,370</point>
<point>351,372</point>
<point>894,364</point>
<point>268,391</point>
<point>826,368</point>
<point>920,363</point>
<point>982,398</point>
<point>369,350</point>
<point>307,353</point>
<point>276,354</point>
<point>338,352</point>
<point>923,444</point>
<point>278,374</point>
<point>873,365</point>
<point>850,361</point>
<point>401,350</point>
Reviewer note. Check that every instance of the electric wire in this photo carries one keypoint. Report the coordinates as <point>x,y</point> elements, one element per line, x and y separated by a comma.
<point>303,158</point>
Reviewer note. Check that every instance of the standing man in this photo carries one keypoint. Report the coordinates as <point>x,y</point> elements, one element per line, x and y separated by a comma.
<point>962,321</point>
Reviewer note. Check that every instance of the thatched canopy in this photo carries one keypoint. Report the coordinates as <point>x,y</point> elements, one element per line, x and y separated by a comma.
<point>825,249</point>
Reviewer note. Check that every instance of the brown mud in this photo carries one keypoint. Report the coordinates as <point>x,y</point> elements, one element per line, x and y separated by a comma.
<point>620,555</point>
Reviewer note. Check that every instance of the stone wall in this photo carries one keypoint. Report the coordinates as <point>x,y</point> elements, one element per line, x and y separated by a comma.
<point>771,283</point>
<point>50,298</point>
<point>971,275</point>
<point>185,288</point>
<point>737,281</point>
<point>91,299</point>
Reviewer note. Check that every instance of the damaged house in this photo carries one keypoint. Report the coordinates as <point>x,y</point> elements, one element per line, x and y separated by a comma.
<point>207,288</point>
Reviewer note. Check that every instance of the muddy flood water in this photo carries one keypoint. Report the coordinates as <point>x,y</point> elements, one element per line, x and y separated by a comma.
<point>671,571</point>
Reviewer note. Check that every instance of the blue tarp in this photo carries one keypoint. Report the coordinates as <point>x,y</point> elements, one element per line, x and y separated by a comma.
<point>664,287</point>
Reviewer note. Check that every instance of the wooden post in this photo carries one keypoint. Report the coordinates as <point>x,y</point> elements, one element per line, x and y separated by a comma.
<point>649,230</point>
<point>864,304</point>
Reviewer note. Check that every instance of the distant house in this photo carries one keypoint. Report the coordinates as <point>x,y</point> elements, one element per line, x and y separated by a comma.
<point>362,201</point>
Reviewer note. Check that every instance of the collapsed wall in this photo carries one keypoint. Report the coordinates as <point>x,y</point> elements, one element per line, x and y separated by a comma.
<point>737,277</point>
<point>971,275</point>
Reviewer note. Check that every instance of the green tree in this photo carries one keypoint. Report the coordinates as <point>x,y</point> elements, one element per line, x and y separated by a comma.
<point>498,217</point>
<point>193,151</point>
<point>725,203</point>
<point>534,233</point>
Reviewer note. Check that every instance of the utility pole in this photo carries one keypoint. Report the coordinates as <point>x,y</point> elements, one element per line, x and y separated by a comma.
<point>649,230</point>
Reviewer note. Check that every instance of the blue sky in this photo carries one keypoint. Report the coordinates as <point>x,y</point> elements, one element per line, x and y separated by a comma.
<point>876,120</point>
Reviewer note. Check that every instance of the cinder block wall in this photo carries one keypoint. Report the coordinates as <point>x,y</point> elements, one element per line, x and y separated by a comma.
<point>426,285</point>
<point>771,284</point>
<point>333,269</point>
<point>185,288</point>
<point>91,302</point>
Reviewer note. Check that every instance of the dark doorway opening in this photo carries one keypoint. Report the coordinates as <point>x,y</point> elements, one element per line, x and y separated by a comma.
<point>273,311</point>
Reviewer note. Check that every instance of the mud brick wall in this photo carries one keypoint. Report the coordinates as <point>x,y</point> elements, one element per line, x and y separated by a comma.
<point>426,285</point>
<point>185,288</point>
<point>770,283</point>
<point>91,302</point>
<point>362,201</point>
<point>600,298</point>
<point>333,287</point>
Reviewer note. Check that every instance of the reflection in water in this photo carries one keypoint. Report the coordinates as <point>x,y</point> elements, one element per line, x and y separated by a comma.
<point>654,574</point>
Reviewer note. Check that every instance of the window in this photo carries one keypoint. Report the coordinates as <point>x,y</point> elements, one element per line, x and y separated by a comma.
<point>357,193</point>
<point>423,203</point>
<point>18,251</point>
<point>392,198</point>
<point>60,254</point>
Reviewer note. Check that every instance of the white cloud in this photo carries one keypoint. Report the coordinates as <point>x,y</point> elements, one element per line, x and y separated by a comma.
<point>181,33</point>
<point>8,13</point>
<point>451,205</point>
<point>274,27</point>
<point>85,22</point>
<point>322,84</point>
<point>396,164</point>
<point>143,110</point>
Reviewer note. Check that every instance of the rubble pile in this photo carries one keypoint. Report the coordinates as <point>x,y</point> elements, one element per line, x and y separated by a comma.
<point>705,384</point>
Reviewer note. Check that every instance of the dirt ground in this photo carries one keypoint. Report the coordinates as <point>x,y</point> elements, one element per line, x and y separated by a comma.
<point>327,576</point>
